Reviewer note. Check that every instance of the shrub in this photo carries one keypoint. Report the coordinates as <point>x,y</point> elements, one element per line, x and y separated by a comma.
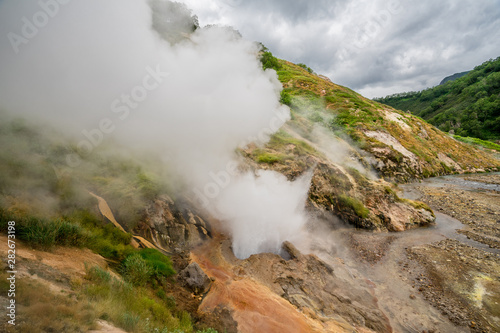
<point>285,98</point>
<point>185,321</point>
<point>307,68</point>
<point>136,270</point>
<point>70,234</point>
<point>128,321</point>
<point>159,263</point>
<point>269,61</point>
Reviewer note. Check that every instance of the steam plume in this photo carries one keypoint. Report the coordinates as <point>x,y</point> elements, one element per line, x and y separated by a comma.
<point>118,69</point>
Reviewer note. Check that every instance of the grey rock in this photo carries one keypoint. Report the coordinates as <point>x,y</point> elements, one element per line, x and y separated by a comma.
<point>195,278</point>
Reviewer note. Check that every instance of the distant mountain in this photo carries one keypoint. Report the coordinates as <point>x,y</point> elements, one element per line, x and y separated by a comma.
<point>453,77</point>
<point>468,106</point>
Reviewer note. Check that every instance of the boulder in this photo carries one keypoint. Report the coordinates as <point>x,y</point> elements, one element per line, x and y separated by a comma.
<point>195,278</point>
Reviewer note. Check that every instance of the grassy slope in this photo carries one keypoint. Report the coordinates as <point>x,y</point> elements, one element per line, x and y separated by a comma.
<point>470,105</point>
<point>317,100</point>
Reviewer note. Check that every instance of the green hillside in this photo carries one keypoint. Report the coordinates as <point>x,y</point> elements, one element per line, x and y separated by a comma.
<point>400,146</point>
<point>453,77</point>
<point>469,106</point>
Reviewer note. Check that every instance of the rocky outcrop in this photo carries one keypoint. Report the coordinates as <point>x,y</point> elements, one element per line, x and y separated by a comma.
<point>173,226</point>
<point>195,278</point>
<point>267,290</point>
<point>311,285</point>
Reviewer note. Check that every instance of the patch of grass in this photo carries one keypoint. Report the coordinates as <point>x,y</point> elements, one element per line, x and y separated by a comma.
<point>355,204</point>
<point>281,139</point>
<point>414,203</point>
<point>133,308</point>
<point>160,264</point>
<point>478,142</point>
<point>360,179</point>
<point>80,229</point>
<point>390,191</point>
<point>45,233</point>
<point>40,311</point>
<point>266,157</point>
<point>417,205</point>
<point>107,240</point>
<point>147,266</point>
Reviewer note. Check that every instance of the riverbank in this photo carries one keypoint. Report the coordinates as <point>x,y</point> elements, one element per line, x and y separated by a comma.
<point>461,276</point>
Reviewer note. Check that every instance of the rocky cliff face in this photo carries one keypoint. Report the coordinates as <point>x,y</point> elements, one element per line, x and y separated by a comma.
<point>172,226</point>
<point>343,191</point>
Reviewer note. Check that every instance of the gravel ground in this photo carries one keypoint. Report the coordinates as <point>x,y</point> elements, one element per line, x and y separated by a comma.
<point>460,280</point>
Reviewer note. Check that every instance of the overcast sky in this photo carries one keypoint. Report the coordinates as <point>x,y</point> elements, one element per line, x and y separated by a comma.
<point>374,47</point>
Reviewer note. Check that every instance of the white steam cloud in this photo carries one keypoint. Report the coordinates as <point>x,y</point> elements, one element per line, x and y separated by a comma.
<point>263,211</point>
<point>98,69</point>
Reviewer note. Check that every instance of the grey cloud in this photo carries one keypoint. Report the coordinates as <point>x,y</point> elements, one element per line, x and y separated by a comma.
<point>366,45</point>
<point>295,10</point>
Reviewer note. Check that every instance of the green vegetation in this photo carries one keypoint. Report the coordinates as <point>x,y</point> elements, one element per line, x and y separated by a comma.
<point>136,270</point>
<point>131,307</point>
<point>43,233</point>
<point>266,157</point>
<point>51,205</point>
<point>315,101</point>
<point>139,304</point>
<point>414,203</point>
<point>453,77</point>
<point>468,106</point>
<point>356,205</point>
<point>307,68</point>
<point>281,139</point>
<point>478,142</point>
<point>285,98</point>
<point>42,311</point>
<point>268,60</point>
<point>81,229</point>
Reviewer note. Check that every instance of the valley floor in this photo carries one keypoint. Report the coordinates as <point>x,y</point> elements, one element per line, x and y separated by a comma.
<point>461,275</point>
<point>445,278</point>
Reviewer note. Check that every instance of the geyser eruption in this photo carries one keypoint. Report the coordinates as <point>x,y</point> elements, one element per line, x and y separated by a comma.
<point>262,210</point>
<point>116,69</point>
